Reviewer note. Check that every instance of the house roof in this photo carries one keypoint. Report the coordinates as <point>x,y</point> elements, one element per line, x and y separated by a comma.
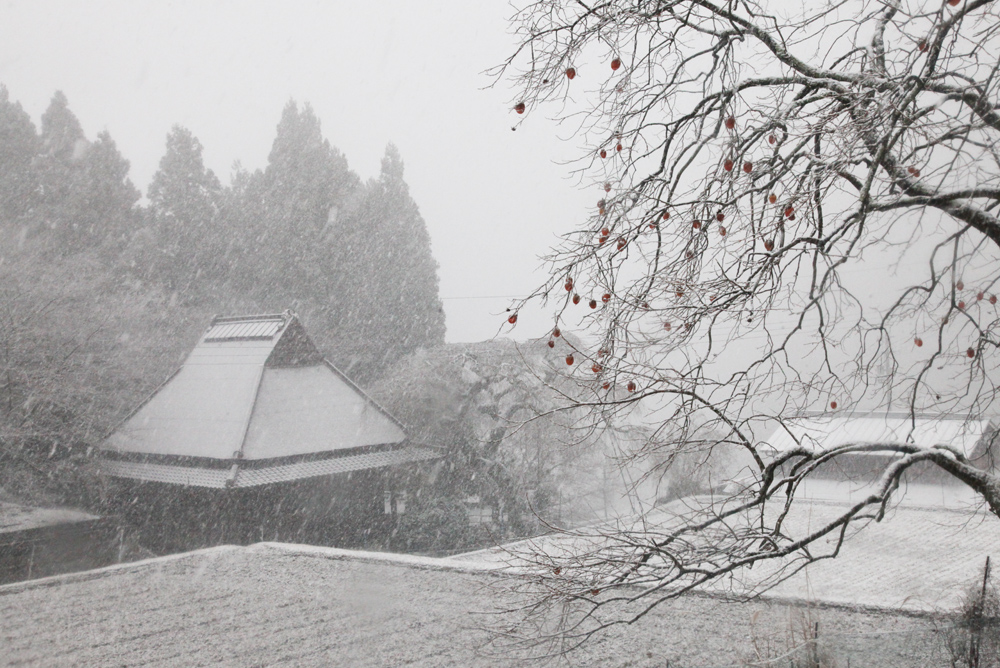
<point>15,517</point>
<point>272,604</point>
<point>254,390</point>
<point>918,558</point>
<point>822,432</point>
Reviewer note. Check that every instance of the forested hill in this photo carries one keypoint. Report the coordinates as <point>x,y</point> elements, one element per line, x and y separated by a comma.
<point>101,296</point>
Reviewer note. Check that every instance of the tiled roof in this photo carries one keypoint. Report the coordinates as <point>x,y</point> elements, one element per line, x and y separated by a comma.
<point>823,432</point>
<point>269,605</point>
<point>220,478</point>
<point>15,517</point>
<point>245,329</point>
<point>254,388</point>
<point>920,559</point>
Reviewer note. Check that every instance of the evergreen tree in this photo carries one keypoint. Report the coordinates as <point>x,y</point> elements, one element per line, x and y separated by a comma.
<point>60,172</point>
<point>183,201</point>
<point>86,199</point>
<point>386,302</point>
<point>19,143</point>
<point>305,182</point>
<point>108,197</point>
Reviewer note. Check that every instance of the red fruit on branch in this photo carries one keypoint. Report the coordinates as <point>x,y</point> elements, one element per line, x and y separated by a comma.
<point>631,386</point>
<point>552,344</point>
<point>605,232</point>
<point>596,368</point>
<point>569,360</point>
<point>680,293</point>
<point>772,139</point>
<point>569,285</point>
<point>601,240</point>
<point>618,148</point>
<point>556,333</point>
<point>621,243</point>
<point>556,570</point>
<point>922,45</point>
<point>918,342</point>
<point>616,63</point>
<point>593,303</point>
<point>696,224</point>
<point>604,153</point>
<point>833,405</point>
<point>960,285</point>
<point>961,305</point>
<point>993,299</point>
<point>607,187</point>
<point>570,72</point>
<point>772,198</point>
<point>667,326</point>
<point>605,298</point>
<point>769,245</point>
<point>519,107</point>
<point>722,231</point>
<point>730,123</point>
<point>979,296</point>
<point>747,167</point>
<point>728,165</point>
<point>606,385</point>
<point>954,3</point>
<point>512,319</point>
<point>666,215</point>
<point>970,353</point>
<point>576,299</point>
<point>720,216</point>
<point>595,592</point>
<point>789,212</point>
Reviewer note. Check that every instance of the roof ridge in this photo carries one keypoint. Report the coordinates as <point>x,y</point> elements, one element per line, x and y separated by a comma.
<point>250,318</point>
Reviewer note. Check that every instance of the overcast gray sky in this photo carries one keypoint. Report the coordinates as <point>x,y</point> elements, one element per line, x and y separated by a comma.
<point>406,72</point>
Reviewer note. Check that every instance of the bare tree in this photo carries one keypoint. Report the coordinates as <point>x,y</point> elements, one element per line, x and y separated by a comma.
<point>798,213</point>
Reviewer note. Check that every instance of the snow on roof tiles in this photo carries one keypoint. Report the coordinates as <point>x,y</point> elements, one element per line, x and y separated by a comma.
<point>301,606</point>
<point>823,432</point>
<point>16,517</point>
<point>243,329</point>
<point>220,478</point>
<point>918,559</point>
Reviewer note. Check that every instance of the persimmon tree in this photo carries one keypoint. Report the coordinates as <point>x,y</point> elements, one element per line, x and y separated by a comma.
<point>798,213</point>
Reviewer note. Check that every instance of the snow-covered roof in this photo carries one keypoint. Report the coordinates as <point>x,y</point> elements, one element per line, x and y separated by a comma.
<point>270,604</point>
<point>15,517</point>
<point>253,399</point>
<point>817,433</point>
<point>918,558</point>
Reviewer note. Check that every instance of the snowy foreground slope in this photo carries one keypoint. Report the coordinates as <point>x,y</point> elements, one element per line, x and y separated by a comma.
<point>271,604</point>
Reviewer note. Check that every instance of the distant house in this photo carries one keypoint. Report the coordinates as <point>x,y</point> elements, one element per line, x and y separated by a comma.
<point>974,438</point>
<point>38,542</point>
<point>265,437</point>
